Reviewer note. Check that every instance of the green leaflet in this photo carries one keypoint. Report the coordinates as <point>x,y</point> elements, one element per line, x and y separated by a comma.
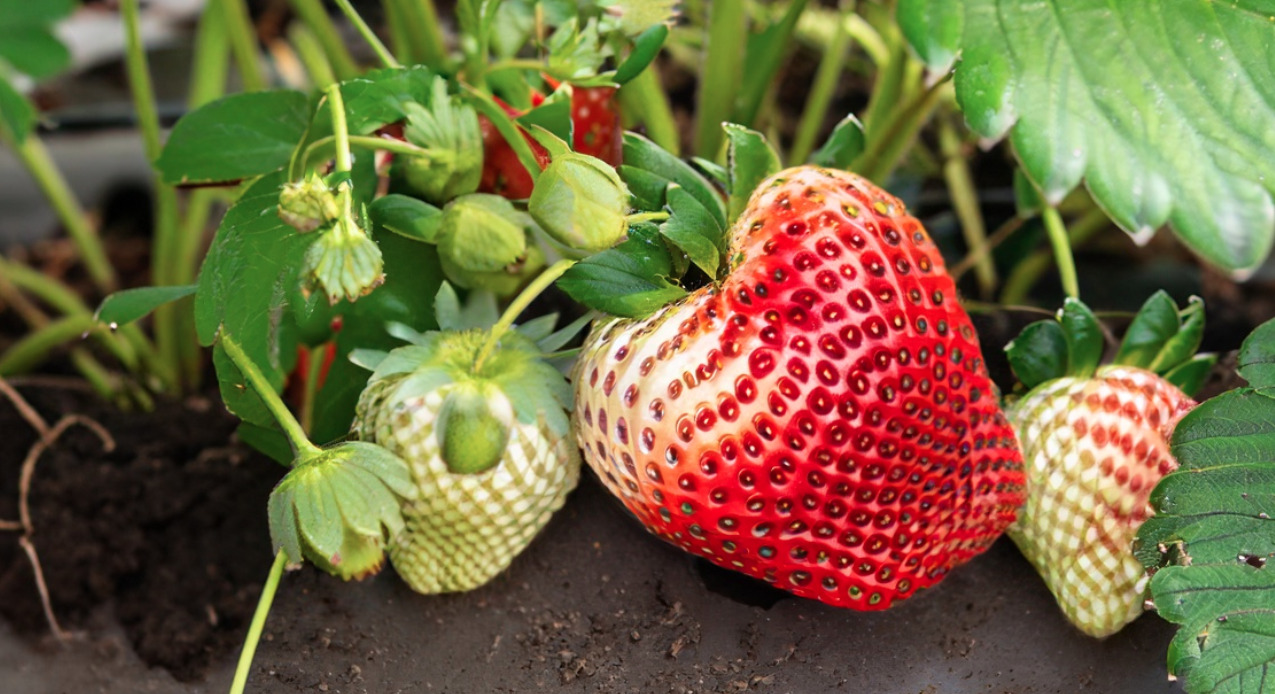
<point>1213,537</point>
<point>1179,133</point>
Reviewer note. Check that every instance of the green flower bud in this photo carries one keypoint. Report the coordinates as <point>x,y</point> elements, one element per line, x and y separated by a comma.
<point>344,263</point>
<point>339,508</point>
<point>449,130</point>
<point>581,202</point>
<point>483,243</point>
<point>308,204</point>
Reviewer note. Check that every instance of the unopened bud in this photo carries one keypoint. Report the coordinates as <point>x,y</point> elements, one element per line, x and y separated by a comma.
<point>581,202</point>
<point>308,204</point>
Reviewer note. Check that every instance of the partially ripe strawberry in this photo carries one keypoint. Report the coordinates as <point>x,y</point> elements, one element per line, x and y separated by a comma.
<point>821,418</point>
<point>1095,443</point>
<point>488,446</point>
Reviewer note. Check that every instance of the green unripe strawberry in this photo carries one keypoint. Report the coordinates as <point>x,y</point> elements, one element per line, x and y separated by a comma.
<point>448,130</point>
<point>580,201</point>
<point>1095,443</point>
<point>485,243</point>
<point>488,444</point>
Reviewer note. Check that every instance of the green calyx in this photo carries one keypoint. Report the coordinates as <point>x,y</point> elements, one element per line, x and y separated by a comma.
<point>579,200</point>
<point>449,130</point>
<point>344,262</point>
<point>339,507</point>
<point>514,382</point>
<point>1161,339</point>
<point>308,204</point>
<point>484,243</point>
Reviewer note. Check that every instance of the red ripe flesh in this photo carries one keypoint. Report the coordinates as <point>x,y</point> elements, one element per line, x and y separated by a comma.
<point>596,132</point>
<point>823,420</point>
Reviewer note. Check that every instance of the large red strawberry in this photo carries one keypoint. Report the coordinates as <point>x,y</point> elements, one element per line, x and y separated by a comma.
<point>595,131</point>
<point>821,418</point>
<point>1095,443</point>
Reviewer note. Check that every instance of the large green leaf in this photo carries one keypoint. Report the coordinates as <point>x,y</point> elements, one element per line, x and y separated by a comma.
<point>630,280</point>
<point>245,285</point>
<point>1212,538</point>
<point>236,137</point>
<point>26,37</point>
<point>1163,107</point>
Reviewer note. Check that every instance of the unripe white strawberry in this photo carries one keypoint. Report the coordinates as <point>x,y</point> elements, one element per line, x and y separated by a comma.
<point>1095,443</point>
<point>487,440</point>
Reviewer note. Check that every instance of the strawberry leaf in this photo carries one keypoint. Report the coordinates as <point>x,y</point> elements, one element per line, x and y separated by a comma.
<point>692,229</point>
<point>645,47</point>
<point>1211,539</point>
<point>237,137</point>
<point>750,160</point>
<point>842,146</point>
<point>128,305</point>
<point>1156,322</point>
<point>649,168</point>
<point>17,116</point>
<point>27,41</point>
<point>1084,338</point>
<point>1163,108</point>
<point>406,216</point>
<point>1257,356</point>
<point>1039,353</point>
<point>1190,375</point>
<point>630,280</point>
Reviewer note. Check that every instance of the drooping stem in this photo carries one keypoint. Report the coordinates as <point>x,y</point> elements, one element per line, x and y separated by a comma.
<point>517,306</point>
<point>367,141</point>
<point>387,58</point>
<point>258,623</point>
<point>1062,251</point>
<point>248,368</point>
<point>212,57</point>
<point>340,131</point>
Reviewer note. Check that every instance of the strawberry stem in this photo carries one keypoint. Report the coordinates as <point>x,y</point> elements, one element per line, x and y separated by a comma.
<point>1062,251</point>
<point>340,131</point>
<point>646,217</point>
<point>258,623</point>
<point>517,306</point>
<point>301,444</point>
<point>387,58</point>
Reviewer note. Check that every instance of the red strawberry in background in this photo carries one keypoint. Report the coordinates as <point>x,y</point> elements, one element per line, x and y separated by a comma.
<point>821,418</point>
<point>596,132</point>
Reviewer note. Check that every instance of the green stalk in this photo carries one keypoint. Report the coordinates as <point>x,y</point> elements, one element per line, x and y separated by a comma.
<point>169,330</point>
<point>960,184</point>
<point>35,158</point>
<point>340,131</point>
<point>301,444</point>
<point>366,141</point>
<point>38,344</point>
<point>258,623</point>
<point>400,35</point>
<point>317,356</point>
<point>212,57</point>
<point>104,384</point>
<point>314,16</point>
<point>766,64</point>
<point>517,306</point>
<point>310,51</point>
<point>883,153</point>
<point>1062,251</point>
<point>866,36</point>
<point>720,77</point>
<point>645,96</point>
<point>821,92</point>
<point>243,43</point>
<point>421,25</point>
<point>888,87</point>
<point>387,59</point>
<point>1027,272</point>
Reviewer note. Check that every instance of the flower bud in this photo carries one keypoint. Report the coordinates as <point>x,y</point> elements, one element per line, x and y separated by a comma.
<point>344,262</point>
<point>483,243</point>
<point>581,202</point>
<point>338,509</point>
<point>448,129</point>
<point>308,204</point>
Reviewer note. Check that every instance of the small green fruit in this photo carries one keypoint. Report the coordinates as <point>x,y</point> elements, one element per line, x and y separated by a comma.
<point>449,129</point>
<point>473,427</point>
<point>483,243</point>
<point>344,262</point>
<point>308,204</point>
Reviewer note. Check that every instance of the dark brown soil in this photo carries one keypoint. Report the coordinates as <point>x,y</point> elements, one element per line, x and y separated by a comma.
<point>169,528</point>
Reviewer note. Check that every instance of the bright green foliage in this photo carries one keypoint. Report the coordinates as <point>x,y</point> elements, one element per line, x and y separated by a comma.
<point>128,305</point>
<point>1213,535</point>
<point>843,146</point>
<point>750,160</point>
<point>237,137</point>
<point>693,229</point>
<point>581,202</point>
<point>26,36</point>
<point>630,280</point>
<point>1163,107</point>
